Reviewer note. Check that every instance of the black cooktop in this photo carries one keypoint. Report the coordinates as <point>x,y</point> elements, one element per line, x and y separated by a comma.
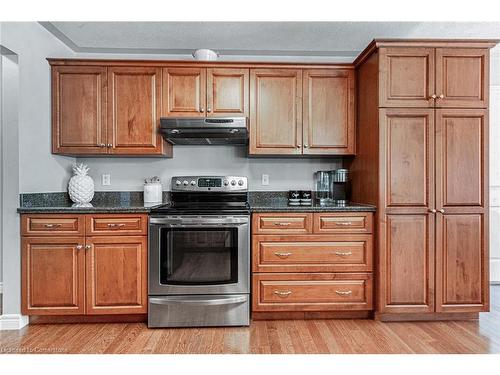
<point>216,203</point>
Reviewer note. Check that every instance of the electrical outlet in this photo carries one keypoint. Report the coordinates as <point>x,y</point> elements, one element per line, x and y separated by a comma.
<point>106,179</point>
<point>265,179</point>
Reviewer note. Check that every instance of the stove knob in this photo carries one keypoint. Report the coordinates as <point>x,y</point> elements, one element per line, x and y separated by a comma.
<point>177,183</point>
<point>226,182</point>
<point>240,182</point>
<point>233,182</point>
<point>193,183</point>
<point>185,183</point>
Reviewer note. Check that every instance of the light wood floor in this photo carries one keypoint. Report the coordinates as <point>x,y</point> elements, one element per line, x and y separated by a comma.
<point>299,336</point>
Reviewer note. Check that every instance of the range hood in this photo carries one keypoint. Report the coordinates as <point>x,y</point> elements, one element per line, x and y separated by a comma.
<point>204,130</point>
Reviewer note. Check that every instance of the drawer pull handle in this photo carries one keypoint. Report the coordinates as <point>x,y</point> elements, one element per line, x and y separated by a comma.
<point>343,293</point>
<point>344,223</point>
<point>115,225</point>
<point>282,294</point>
<point>52,225</point>
<point>282,224</point>
<point>283,255</point>
<point>343,253</point>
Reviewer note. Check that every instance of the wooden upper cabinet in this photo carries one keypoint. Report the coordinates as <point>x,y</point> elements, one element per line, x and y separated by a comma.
<point>184,92</point>
<point>408,154</point>
<point>275,111</point>
<point>134,95</point>
<point>329,124</point>
<point>53,276</point>
<point>227,92</point>
<point>116,275</point>
<point>79,110</point>
<point>462,77</point>
<point>406,77</point>
<point>461,159</point>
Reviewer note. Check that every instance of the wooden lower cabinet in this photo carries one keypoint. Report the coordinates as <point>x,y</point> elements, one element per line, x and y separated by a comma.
<point>116,270</point>
<point>53,276</point>
<point>306,266</point>
<point>83,275</point>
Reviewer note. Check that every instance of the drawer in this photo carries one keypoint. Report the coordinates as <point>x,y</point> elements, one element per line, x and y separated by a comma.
<point>312,292</point>
<point>310,253</point>
<point>342,222</point>
<point>276,223</point>
<point>116,224</point>
<point>48,224</point>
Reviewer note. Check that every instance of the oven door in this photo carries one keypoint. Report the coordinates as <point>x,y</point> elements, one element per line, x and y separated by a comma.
<point>199,255</point>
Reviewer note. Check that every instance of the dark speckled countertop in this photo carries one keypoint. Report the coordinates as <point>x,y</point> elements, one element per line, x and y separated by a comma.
<point>109,202</point>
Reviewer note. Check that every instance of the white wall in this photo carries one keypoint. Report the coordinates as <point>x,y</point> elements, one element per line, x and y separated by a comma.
<point>27,164</point>
<point>284,174</point>
<point>495,166</point>
<point>41,171</point>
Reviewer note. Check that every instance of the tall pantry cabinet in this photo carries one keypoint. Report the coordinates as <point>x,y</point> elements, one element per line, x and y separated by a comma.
<point>422,158</point>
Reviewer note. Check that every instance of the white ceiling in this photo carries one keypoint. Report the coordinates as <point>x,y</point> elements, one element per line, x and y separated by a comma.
<point>253,38</point>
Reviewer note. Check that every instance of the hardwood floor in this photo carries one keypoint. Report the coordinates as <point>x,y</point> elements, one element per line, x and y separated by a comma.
<point>292,336</point>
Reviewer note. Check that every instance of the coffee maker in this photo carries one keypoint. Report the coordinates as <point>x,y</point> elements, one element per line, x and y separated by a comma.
<point>332,187</point>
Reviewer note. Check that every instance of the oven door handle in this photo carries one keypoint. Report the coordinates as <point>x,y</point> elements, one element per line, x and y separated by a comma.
<point>189,223</point>
<point>198,301</point>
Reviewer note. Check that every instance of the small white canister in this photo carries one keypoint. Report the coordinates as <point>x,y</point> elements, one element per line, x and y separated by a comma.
<point>153,191</point>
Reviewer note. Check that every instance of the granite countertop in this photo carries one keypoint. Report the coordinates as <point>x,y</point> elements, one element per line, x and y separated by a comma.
<point>271,201</point>
<point>103,202</point>
<point>109,202</point>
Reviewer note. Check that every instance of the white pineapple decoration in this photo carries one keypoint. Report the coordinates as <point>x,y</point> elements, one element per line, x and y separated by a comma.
<point>81,186</point>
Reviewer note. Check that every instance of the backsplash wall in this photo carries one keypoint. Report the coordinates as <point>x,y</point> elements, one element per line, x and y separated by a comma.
<point>127,174</point>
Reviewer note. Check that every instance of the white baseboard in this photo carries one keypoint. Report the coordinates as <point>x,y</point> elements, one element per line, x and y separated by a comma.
<point>13,322</point>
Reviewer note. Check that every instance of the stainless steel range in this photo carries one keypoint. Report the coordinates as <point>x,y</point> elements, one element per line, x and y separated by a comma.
<point>199,254</point>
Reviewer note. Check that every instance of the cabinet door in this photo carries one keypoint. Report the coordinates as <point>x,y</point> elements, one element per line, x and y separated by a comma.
<point>184,92</point>
<point>227,92</point>
<point>407,137</point>
<point>462,203</point>
<point>462,77</point>
<point>134,111</point>
<point>462,281</point>
<point>117,275</point>
<point>406,263</point>
<point>275,111</point>
<point>461,159</point>
<point>53,276</point>
<point>78,110</point>
<point>406,77</point>
<point>328,112</point>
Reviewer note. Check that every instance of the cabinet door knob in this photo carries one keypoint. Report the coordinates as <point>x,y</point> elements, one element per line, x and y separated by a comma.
<point>209,110</point>
<point>441,210</point>
<point>306,145</point>
<point>202,109</point>
<point>433,210</point>
<point>299,145</point>
<point>102,145</point>
<point>433,96</point>
<point>441,96</point>
<point>87,247</point>
<point>110,145</point>
<point>79,247</point>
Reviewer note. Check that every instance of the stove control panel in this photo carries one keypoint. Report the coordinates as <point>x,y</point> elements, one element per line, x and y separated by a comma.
<point>209,183</point>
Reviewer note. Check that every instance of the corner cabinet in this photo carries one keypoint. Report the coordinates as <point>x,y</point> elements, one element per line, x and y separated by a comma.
<point>302,112</point>
<point>93,264</point>
<point>99,110</point>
